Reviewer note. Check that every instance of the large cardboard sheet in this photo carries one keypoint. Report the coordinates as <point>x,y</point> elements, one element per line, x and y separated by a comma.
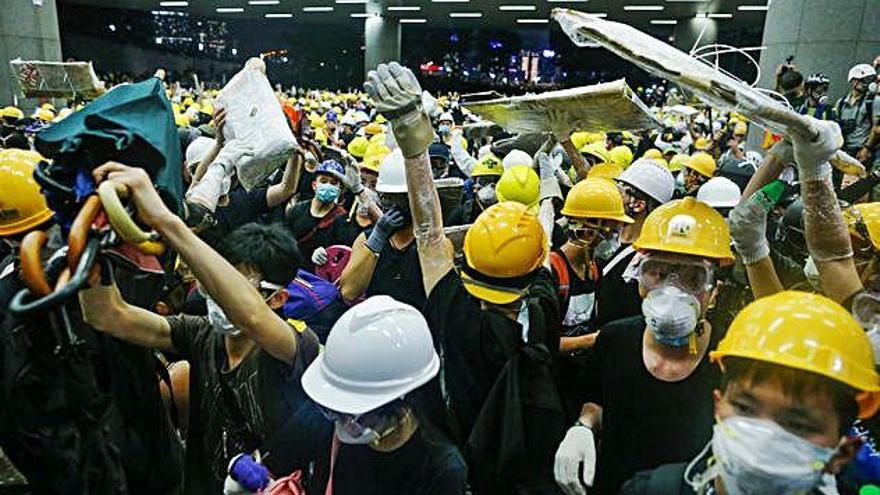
<point>40,79</point>
<point>609,106</point>
<point>707,82</point>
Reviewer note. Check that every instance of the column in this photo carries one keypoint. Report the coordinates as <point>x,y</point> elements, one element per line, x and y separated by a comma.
<point>381,37</point>
<point>29,31</point>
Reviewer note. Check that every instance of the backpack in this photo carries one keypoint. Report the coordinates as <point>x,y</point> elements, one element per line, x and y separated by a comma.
<point>308,294</point>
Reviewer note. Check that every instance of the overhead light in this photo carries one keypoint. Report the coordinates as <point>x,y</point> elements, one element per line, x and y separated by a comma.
<point>229,10</point>
<point>317,9</point>
<point>532,21</point>
<point>759,8</point>
<point>686,1</point>
<point>465,14</point>
<point>404,8</point>
<point>600,15</point>
<point>264,2</point>
<point>643,7</point>
<point>567,1</point>
<point>517,7</point>
<point>278,16</point>
<point>661,22</point>
<point>413,21</point>
<point>351,1</point>
<point>362,15</point>
<point>450,1</point>
<point>720,16</point>
<point>700,16</point>
<point>173,4</point>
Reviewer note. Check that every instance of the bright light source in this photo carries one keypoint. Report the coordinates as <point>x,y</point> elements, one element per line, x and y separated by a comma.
<point>362,15</point>
<point>643,7</point>
<point>517,7</point>
<point>158,41</point>
<point>351,1</point>
<point>284,59</point>
<point>235,51</point>
<point>229,10</point>
<point>532,21</point>
<point>600,15</point>
<point>548,53</point>
<point>317,9</point>
<point>450,1</point>
<point>201,47</point>
<point>264,2</point>
<point>173,4</point>
<point>757,8</point>
<point>686,1</point>
<point>279,16</point>
<point>670,22</point>
<point>567,1</point>
<point>404,8</point>
<point>700,16</point>
<point>112,27</point>
<point>465,14</point>
<point>720,16</point>
<point>413,21</point>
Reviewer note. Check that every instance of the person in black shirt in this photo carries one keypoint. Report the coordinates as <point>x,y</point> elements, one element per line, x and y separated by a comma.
<point>485,175</point>
<point>245,359</point>
<point>649,392</point>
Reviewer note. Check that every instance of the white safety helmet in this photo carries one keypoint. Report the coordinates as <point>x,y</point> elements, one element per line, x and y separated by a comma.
<point>483,151</point>
<point>377,352</point>
<point>446,117</point>
<point>516,158</point>
<point>392,174</point>
<point>651,178</point>
<point>861,71</point>
<point>719,192</point>
<point>198,149</point>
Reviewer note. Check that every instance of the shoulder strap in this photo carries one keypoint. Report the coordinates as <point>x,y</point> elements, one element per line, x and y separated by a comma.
<point>561,270</point>
<point>617,259</point>
<point>325,222</point>
<point>165,376</point>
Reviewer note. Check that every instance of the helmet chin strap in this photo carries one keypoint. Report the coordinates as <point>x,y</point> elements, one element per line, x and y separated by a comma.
<point>398,433</point>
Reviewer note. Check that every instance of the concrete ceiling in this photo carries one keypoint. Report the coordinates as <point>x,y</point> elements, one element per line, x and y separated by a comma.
<point>496,14</point>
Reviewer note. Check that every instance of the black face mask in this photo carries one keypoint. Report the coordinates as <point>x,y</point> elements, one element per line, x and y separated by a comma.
<point>400,202</point>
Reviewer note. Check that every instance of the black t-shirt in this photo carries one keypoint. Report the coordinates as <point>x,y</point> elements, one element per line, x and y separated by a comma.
<point>580,302</point>
<point>615,297</point>
<point>300,221</point>
<point>398,274</point>
<point>421,466</point>
<point>646,422</point>
<point>266,393</point>
<point>243,207</point>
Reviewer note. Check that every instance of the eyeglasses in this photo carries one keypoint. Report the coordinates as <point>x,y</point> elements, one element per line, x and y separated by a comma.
<point>694,277</point>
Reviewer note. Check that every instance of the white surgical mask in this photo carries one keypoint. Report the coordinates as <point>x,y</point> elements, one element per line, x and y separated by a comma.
<point>671,314</point>
<point>219,322</point>
<point>759,456</point>
<point>352,433</point>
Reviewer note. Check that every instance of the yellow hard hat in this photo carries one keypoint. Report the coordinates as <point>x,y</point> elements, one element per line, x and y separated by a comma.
<point>621,156</point>
<point>48,106</point>
<point>596,149</point>
<point>188,101</point>
<point>22,206</point>
<point>702,163</point>
<point>653,154</point>
<point>677,162</point>
<point>380,138</point>
<point>358,147</point>
<point>380,119</point>
<point>703,144</point>
<point>609,171</point>
<point>372,162</point>
<point>208,108</point>
<point>686,226</point>
<point>863,220</point>
<point>321,136</point>
<point>181,120</point>
<point>12,113</point>
<point>595,198</point>
<point>628,137</point>
<point>806,332</point>
<point>373,129</point>
<point>520,184</point>
<point>63,114</point>
<point>377,149</point>
<point>44,114</point>
<point>488,165</point>
<point>740,129</point>
<point>175,107</point>
<point>505,242</point>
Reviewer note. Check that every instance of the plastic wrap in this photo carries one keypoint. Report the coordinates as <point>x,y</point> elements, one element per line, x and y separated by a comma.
<point>609,106</point>
<point>255,120</point>
<point>826,232</point>
<point>707,82</point>
<point>38,78</point>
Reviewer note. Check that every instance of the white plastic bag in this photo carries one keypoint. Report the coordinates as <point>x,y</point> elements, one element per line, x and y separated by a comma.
<point>254,119</point>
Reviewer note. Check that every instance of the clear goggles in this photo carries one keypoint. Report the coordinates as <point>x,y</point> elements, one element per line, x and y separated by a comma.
<point>866,309</point>
<point>691,276</point>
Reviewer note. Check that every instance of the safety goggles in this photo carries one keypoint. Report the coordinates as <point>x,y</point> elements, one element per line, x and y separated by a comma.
<point>486,180</point>
<point>866,309</point>
<point>692,276</point>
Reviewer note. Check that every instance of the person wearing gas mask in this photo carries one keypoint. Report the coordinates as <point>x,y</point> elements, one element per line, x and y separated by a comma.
<point>245,359</point>
<point>384,259</point>
<point>651,380</point>
<point>484,176</point>
<point>857,114</point>
<point>492,321</point>
<point>378,358</point>
<point>445,126</point>
<point>817,103</point>
<point>782,411</point>
<point>644,186</point>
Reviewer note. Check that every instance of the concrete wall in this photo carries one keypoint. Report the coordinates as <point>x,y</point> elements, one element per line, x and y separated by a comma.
<point>28,32</point>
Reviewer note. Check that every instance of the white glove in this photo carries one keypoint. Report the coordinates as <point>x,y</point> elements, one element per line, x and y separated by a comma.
<point>319,257</point>
<point>398,96</point>
<point>783,152</point>
<point>462,158</point>
<point>351,179</point>
<point>812,156</point>
<point>232,487</point>
<point>748,227</point>
<point>547,166</point>
<point>578,447</point>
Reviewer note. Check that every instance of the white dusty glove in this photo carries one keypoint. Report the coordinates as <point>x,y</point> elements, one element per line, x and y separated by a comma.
<point>398,96</point>
<point>783,152</point>
<point>352,178</point>
<point>748,227</point>
<point>319,256</point>
<point>812,156</point>
<point>578,447</point>
<point>214,183</point>
<point>547,166</point>
<point>463,160</point>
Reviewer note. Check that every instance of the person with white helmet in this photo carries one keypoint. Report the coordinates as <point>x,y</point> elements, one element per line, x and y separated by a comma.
<point>720,193</point>
<point>379,356</point>
<point>644,186</point>
<point>516,158</point>
<point>384,258</point>
<point>857,115</point>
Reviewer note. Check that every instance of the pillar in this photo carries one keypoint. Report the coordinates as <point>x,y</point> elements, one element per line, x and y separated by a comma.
<point>689,30</point>
<point>28,30</point>
<point>381,38</point>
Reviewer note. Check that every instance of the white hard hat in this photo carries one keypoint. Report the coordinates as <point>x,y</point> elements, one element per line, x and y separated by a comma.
<point>361,117</point>
<point>719,192</point>
<point>861,71</point>
<point>483,151</point>
<point>651,178</point>
<point>377,352</point>
<point>198,149</point>
<point>445,116</point>
<point>515,158</point>
<point>392,173</point>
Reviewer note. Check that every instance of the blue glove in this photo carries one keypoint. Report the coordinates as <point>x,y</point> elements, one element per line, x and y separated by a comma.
<point>390,223</point>
<point>250,474</point>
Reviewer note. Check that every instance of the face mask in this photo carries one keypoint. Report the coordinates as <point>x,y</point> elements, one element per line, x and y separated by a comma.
<point>607,247</point>
<point>486,196</point>
<point>671,314</point>
<point>872,88</point>
<point>386,203</point>
<point>327,193</point>
<point>351,433</point>
<point>219,322</point>
<point>443,129</point>
<point>759,456</point>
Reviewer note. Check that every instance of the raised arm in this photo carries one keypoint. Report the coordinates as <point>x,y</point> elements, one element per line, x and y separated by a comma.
<point>748,228</point>
<point>398,95</point>
<point>281,192</point>
<point>463,159</point>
